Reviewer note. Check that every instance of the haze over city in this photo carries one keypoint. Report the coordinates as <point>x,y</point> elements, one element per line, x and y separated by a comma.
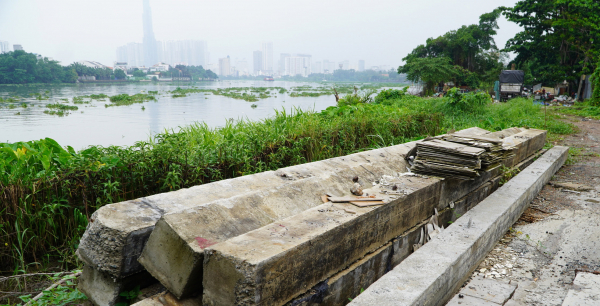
<point>380,33</point>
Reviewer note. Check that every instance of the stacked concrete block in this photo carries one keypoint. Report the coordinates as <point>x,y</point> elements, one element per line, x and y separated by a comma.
<point>226,209</point>
<point>117,233</point>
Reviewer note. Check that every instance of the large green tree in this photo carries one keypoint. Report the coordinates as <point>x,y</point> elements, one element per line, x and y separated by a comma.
<point>560,38</point>
<point>470,49</point>
<point>430,70</point>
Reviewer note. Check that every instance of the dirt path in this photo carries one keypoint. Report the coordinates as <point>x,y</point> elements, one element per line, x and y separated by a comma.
<point>559,234</point>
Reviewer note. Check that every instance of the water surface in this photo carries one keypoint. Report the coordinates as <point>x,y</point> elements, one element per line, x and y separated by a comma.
<point>94,124</point>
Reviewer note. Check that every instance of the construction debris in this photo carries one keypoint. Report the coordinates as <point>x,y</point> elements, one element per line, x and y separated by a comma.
<point>356,189</point>
<point>460,156</point>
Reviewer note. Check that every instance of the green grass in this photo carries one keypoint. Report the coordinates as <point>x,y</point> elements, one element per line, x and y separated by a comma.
<point>583,109</point>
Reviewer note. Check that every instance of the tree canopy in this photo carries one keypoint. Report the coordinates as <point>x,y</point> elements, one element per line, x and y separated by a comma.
<point>431,70</point>
<point>560,38</point>
<point>465,54</point>
<point>20,67</point>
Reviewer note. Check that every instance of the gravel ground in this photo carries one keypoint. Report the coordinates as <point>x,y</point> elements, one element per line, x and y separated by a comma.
<point>559,234</point>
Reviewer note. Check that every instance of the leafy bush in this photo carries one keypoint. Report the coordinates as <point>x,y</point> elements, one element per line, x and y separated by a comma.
<point>356,98</point>
<point>472,102</point>
<point>390,94</point>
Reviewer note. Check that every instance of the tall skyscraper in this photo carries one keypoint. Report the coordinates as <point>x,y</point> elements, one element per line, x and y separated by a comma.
<point>361,65</point>
<point>267,54</point>
<point>3,46</point>
<point>224,66</point>
<point>258,61</point>
<point>150,57</point>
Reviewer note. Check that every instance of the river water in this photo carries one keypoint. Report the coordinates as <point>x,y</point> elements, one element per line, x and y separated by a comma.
<point>94,124</point>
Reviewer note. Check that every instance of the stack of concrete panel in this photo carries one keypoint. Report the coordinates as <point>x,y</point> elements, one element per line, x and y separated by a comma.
<point>207,217</point>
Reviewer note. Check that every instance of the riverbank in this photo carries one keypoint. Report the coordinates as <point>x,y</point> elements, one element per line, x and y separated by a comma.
<point>50,192</point>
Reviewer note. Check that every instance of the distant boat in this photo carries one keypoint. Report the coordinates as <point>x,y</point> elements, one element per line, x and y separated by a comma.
<point>269,78</point>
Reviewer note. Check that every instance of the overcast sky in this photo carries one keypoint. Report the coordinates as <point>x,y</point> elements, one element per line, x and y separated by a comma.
<point>381,32</point>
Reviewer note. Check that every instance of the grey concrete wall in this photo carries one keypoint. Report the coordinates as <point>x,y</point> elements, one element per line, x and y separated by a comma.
<point>435,271</point>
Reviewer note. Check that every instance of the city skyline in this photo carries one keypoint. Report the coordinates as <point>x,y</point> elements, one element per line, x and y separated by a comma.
<point>381,33</point>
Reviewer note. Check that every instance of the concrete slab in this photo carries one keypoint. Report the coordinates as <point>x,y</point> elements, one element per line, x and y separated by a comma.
<point>467,300</point>
<point>585,291</point>
<point>435,271</point>
<point>273,264</point>
<point>489,290</point>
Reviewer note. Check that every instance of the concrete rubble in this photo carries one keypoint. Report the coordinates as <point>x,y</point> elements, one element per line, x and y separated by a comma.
<point>196,241</point>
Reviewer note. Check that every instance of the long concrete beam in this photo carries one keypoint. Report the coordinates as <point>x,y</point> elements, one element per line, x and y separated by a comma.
<point>273,264</point>
<point>347,284</point>
<point>432,274</point>
<point>175,250</point>
<point>118,232</point>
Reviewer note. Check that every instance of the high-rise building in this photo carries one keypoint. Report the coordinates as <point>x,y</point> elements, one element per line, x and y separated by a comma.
<point>298,65</point>
<point>267,54</point>
<point>185,52</point>
<point>224,66</point>
<point>4,47</point>
<point>258,62</point>
<point>318,68</point>
<point>361,65</point>
<point>328,67</point>
<point>132,53</point>
<point>150,56</point>
<point>282,58</point>
<point>17,47</point>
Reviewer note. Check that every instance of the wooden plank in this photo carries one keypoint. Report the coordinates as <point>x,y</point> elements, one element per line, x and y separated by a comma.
<point>349,199</point>
<point>367,203</point>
